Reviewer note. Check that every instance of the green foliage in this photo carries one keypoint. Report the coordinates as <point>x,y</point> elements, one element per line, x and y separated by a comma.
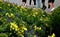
<point>18,21</point>
<point>54,21</point>
<point>55,18</point>
<point>3,35</point>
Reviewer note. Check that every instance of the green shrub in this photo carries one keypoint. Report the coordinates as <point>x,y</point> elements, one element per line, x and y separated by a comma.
<point>55,18</point>
<point>24,19</point>
<point>55,21</point>
<point>19,21</point>
<point>3,35</point>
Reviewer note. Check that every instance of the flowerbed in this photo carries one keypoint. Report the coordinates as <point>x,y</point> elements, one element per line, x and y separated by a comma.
<point>18,21</point>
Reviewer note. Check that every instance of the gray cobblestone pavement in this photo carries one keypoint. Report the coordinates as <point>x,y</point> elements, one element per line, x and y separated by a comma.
<point>18,2</point>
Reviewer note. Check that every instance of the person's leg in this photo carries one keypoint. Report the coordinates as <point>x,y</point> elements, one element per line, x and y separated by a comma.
<point>34,2</point>
<point>38,1</point>
<point>30,2</point>
<point>43,2</point>
<point>24,2</point>
<point>51,4</point>
<point>48,5</point>
<point>43,5</point>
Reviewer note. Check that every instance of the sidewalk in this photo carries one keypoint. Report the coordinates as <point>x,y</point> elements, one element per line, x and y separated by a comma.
<point>18,2</point>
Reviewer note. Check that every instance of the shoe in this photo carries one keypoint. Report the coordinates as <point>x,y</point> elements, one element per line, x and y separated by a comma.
<point>44,7</point>
<point>52,9</point>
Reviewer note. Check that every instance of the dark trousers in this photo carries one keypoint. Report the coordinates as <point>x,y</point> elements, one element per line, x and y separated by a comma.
<point>34,2</point>
<point>24,1</point>
<point>43,2</point>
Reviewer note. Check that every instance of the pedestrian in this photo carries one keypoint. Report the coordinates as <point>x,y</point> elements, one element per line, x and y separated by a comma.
<point>38,2</point>
<point>43,5</point>
<point>24,2</point>
<point>51,4</point>
<point>33,1</point>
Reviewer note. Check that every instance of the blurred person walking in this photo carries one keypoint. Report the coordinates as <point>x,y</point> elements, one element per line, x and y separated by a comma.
<point>33,1</point>
<point>51,4</point>
<point>43,5</point>
<point>24,2</point>
<point>39,4</point>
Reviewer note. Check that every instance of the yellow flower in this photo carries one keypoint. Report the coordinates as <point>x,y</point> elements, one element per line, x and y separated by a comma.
<point>36,13</point>
<point>25,29</point>
<point>46,25</point>
<point>14,25</point>
<point>53,35</point>
<point>34,35</point>
<point>41,19</point>
<point>7,13</point>
<point>34,8</point>
<point>35,27</point>
<point>22,7</point>
<point>0,7</point>
<point>18,6</point>
<point>40,28</point>
<point>19,32</point>
<point>16,29</point>
<point>13,28</point>
<point>8,4</point>
<point>22,31</point>
<point>12,15</point>
<point>22,35</point>
<point>9,16</point>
